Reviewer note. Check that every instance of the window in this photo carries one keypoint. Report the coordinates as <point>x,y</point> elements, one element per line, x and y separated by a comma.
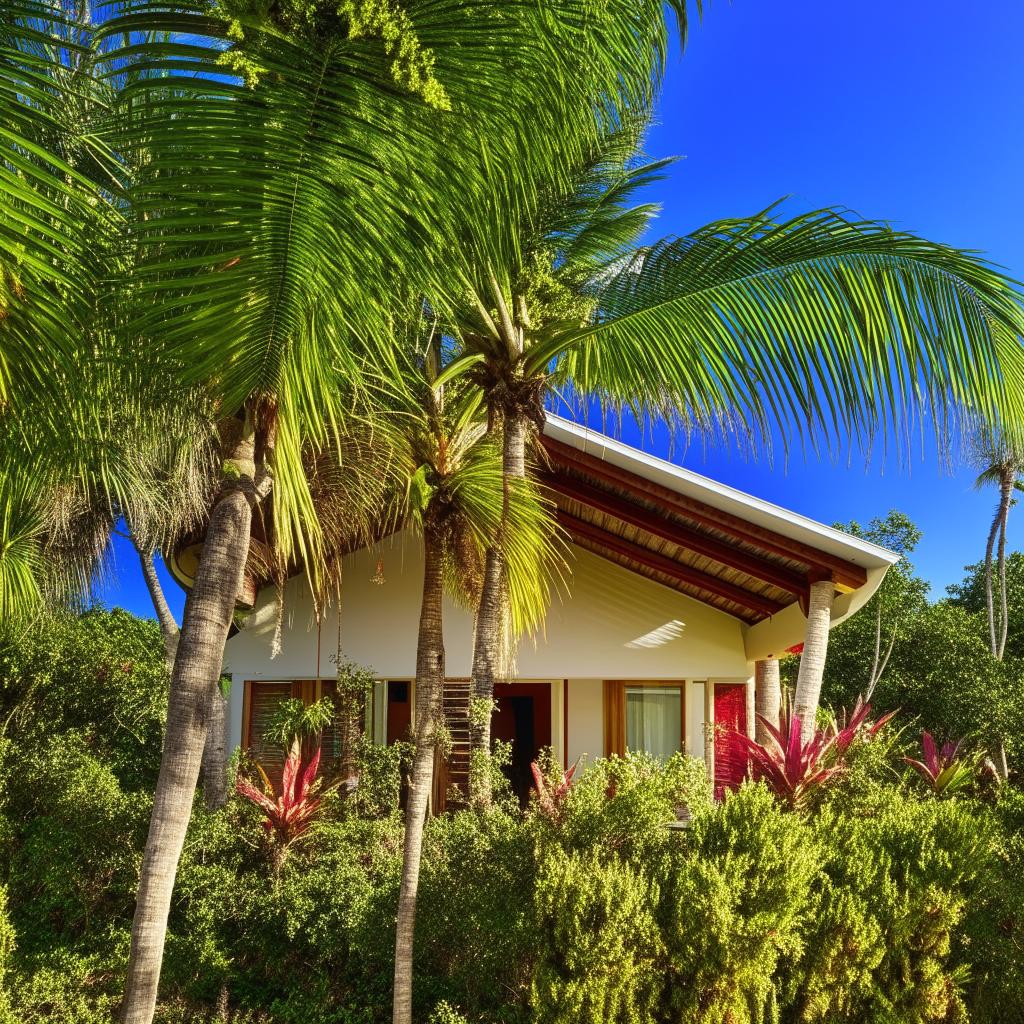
<point>645,716</point>
<point>262,698</point>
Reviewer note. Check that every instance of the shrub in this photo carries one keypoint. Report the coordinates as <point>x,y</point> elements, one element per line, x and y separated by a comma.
<point>598,943</point>
<point>897,882</point>
<point>734,904</point>
<point>620,805</point>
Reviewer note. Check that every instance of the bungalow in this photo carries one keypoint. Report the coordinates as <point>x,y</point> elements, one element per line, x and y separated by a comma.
<point>682,594</point>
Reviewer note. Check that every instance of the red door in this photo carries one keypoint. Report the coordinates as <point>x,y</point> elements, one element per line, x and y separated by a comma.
<point>730,718</point>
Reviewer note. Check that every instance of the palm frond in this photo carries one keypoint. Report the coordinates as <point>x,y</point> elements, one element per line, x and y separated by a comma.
<point>823,324</point>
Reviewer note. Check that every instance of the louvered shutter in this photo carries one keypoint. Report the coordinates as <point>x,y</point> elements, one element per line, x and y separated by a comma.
<point>264,698</point>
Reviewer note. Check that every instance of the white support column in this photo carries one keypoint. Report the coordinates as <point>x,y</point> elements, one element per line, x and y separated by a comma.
<point>812,660</point>
<point>768,699</point>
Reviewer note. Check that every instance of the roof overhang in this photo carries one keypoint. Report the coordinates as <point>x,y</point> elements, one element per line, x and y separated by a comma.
<point>747,557</point>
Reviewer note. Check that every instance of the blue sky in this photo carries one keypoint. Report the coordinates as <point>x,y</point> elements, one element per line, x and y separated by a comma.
<point>909,111</point>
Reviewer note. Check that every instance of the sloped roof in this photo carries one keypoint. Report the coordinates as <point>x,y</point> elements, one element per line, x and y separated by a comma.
<point>747,557</point>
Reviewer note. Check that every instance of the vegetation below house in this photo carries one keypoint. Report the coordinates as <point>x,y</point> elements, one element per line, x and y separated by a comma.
<point>881,903</point>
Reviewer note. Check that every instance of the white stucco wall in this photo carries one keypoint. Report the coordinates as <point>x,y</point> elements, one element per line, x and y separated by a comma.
<point>605,627</point>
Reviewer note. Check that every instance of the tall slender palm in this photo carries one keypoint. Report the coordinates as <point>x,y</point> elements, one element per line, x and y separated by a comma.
<point>1001,463</point>
<point>821,324</point>
<point>269,222</point>
<point>1000,459</point>
<point>453,498</point>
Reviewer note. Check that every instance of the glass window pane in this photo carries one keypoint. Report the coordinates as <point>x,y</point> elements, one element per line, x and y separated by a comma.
<point>653,719</point>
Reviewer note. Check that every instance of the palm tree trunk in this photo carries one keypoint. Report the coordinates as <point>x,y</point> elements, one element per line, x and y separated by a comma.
<point>490,625</point>
<point>812,660</point>
<point>197,669</point>
<point>767,696</point>
<point>429,684</point>
<point>989,596</point>
<point>168,627</point>
<point>1005,501</point>
<point>214,768</point>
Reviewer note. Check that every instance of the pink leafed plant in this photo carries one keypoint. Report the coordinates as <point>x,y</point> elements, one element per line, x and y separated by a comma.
<point>551,797</point>
<point>794,769</point>
<point>791,768</point>
<point>856,725</point>
<point>288,815</point>
<point>943,768</point>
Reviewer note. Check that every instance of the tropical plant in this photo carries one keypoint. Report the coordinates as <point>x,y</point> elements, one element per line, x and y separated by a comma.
<point>453,499</point>
<point>293,719</point>
<point>291,813</point>
<point>795,768</point>
<point>943,768</point>
<point>551,795</point>
<point>1000,462</point>
<point>226,287</point>
<point>855,725</point>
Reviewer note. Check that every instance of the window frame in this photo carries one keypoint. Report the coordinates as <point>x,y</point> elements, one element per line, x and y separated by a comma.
<point>615,711</point>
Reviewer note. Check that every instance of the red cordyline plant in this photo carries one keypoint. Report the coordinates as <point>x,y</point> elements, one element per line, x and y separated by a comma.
<point>943,769</point>
<point>550,798</point>
<point>795,770</point>
<point>290,814</point>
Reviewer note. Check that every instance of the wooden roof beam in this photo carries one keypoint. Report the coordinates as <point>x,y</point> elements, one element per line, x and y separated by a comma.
<point>667,566</point>
<point>676,533</point>
<point>846,574</point>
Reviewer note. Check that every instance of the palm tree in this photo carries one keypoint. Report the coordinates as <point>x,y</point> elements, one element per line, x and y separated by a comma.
<point>453,498</point>
<point>820,323</point>
<point>1001,463</point>
<point>269,223</point>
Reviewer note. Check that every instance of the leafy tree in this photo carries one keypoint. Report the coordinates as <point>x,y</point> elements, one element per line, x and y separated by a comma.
<point>970,595</point>
<point>860,650</point>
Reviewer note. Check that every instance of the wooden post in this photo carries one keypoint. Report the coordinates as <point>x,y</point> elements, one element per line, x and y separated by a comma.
<point>709,728</point>
<point>768,695</point>
<point>812,660</point>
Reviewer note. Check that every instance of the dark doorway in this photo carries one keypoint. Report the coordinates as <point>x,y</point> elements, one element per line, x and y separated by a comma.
<point>522,718</point>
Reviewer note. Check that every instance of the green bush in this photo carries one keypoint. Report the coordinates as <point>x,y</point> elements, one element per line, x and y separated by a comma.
<point>884,905</point>
<point>598,944</point>
<point>734,906</point>
<point>897,882</point>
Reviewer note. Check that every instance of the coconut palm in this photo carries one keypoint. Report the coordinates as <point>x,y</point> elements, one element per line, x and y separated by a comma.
<point>270,220</point>
<point>821,324</point>
<point>452,497</point>
<point>1001,463</point>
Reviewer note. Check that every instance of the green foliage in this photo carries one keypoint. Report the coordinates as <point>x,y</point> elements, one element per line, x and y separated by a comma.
<point>940,670</point>
<point>880,905</point>
<point>598,941</point>
<point>101,674</point>
<point>969,594</point>
<point>620,805</point>
<point>735,906</point>
<point>897,882</point>
<point>293,719</point>
<point>380,770</point>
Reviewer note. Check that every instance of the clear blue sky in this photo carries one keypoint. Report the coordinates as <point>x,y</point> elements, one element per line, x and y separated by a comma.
<point>910,111</point>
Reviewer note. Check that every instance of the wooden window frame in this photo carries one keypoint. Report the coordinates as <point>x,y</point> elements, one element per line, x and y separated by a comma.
<point>615,711</point>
